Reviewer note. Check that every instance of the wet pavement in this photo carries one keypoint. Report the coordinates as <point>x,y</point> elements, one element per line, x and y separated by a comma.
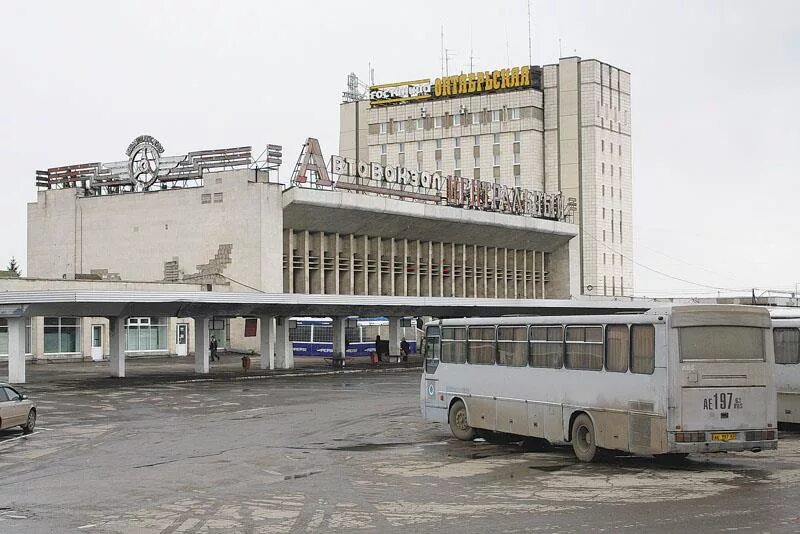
<point>311,451</point>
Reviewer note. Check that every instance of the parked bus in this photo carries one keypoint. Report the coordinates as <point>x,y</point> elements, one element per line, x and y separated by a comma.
<point>786,335</point>
<point>313,336</point>
<point>669,381</point>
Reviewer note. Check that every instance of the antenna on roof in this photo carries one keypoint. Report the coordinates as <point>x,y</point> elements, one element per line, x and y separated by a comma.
<point>530,53</point>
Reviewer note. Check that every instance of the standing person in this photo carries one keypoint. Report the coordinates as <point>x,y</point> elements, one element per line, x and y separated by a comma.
<point>213,348</point>
<point>404,349</point>
<point>377,347</point>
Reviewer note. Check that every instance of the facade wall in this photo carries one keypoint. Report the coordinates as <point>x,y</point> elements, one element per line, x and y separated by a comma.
<point>231,226</point>
<point>556,139</point>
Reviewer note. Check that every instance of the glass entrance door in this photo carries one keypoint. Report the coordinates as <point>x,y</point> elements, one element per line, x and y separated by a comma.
<point>97,342</point>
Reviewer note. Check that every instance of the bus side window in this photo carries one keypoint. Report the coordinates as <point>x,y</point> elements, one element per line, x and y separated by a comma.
<point>481,345</point>
<point>787,345</point>
<point>643,349</point>
<point>617,348</point>
<point>547,346</point>
<point>512,345</point>
<point>431,349</point>
<point>584,347</point>
<point>454,344</point>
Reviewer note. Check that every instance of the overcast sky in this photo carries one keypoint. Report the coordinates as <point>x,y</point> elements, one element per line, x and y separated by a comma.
<point>714,96</point>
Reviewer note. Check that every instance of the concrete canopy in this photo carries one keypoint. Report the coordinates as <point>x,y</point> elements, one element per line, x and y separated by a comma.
<point>109,303</point>
<point>352,213</point>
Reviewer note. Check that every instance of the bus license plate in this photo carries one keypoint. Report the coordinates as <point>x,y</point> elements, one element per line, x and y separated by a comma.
<point>723,437</point>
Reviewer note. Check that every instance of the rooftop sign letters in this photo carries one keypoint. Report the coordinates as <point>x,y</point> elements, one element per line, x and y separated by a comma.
<point>411,184</point>
<point>457,85</point>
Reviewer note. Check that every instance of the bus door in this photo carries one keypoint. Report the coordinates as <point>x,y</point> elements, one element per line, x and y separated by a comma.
<point>433,403</point>
<point>725,379</point>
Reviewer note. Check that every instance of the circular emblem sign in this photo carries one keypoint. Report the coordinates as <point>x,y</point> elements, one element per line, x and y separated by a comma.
<point>144,158</point>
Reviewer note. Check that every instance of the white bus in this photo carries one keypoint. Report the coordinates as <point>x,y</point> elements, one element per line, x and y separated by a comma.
<point>669,381</point>
<point>786,334</point>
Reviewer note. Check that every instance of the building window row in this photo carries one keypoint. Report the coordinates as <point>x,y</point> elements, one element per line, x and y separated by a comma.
<point>448,120</point>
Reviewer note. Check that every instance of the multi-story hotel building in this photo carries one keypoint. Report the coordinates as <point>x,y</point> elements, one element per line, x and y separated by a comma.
<point>562,128</point>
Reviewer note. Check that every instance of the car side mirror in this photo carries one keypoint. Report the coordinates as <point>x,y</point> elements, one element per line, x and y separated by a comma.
<point>22,396</point>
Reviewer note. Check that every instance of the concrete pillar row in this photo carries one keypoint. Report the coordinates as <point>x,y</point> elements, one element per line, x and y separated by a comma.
<point>394,335</point>
<point>202,338</point>
<point>339,342</point>
<point>284,358</point>
<point>16,350</point>
<point>116,345</point>
<point>267,331</point>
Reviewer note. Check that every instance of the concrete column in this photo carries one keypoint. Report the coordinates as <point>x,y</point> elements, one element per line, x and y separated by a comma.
<point>201,340</point>
<point>267,330</point>
<point>116,345</point>
<point>16,350</point>
<point>284,357</point>
<point>394,335</point>
<point>339,345</point>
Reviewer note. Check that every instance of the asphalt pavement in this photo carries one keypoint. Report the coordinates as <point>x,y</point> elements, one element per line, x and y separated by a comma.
<point>322,450</point>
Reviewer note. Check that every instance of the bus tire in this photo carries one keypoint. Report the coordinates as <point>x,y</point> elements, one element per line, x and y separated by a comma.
<point>583,440</point>
<point>457,417</point>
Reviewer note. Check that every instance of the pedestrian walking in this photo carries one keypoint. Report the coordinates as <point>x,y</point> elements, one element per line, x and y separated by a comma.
<point>404,349</point>
<point>212,346</point>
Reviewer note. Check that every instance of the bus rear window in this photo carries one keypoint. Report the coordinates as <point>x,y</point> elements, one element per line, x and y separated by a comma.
<point>721,343</point>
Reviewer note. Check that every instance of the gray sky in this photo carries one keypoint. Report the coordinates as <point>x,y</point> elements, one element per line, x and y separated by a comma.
<point>714,88</point>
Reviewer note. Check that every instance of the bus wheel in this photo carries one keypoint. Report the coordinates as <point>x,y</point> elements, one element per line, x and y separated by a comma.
<point>583,442</point>
<point>458,422</point>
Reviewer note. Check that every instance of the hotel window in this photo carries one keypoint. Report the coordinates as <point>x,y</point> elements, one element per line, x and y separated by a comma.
<point>457,119</point>
<point>475,118</point>
<point>516,158</point>
<point>602,145</point>
<point>401,126</point>
<point>457,142</point>
<point>612,149</point>
<point>620,226</point>
<point>496,139</point>
<point>619,149</point>
<point>603,189</point>
<point>477,140</point>
<point>619,171</point>
<point>517,136</point>
<point>438,164</point>
<point>419,145</point>
<point>612,171</point>
<point>604,213</point>
<point>514,114</point>
<point>62,335</point>
<point>496,173</point>
<point>517,180</point>
<point>437,122</point>
<point>477,161</point>
<point>458,162</point>
<point>438,143</point>
<point>146,334</point>
<point>496,115</point>
<point>400,146</point>
<point>384,128</point>
<point>496,159</point>
<point>383,150</point>
<point>420,124</point>
<point>602,168</point>
<point>419,160</point>
<point>604,236</point>
<point>613,259</point>
<point>604,258</point>
<point>612,191</point>
<point>476,173</point>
